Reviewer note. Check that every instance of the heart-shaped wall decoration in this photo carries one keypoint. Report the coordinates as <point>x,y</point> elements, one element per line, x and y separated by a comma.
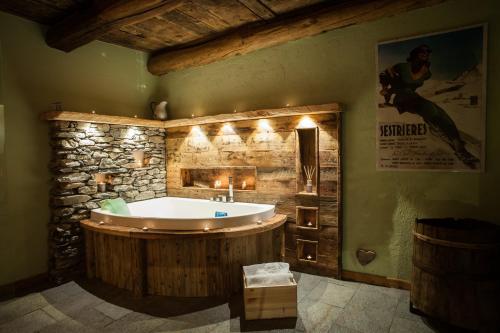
<point>365,256</point>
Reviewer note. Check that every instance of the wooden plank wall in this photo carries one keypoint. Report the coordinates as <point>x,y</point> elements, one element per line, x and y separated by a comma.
<point>269,145</point>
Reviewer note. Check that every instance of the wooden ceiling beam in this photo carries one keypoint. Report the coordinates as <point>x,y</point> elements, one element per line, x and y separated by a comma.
<point>94,22</point>
<point>246,40</point>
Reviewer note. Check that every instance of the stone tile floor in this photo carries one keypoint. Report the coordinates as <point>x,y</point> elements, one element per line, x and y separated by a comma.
<point>325,305</point>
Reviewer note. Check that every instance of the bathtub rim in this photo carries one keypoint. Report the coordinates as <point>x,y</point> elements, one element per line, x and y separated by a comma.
<point>179,223</point>
<point>274,222</point>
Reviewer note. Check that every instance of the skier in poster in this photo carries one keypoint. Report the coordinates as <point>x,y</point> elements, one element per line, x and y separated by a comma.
<point>402,80</point>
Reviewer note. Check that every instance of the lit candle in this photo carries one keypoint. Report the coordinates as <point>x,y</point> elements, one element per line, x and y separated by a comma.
<point>244,185</point>
<point>101,187</point>
<point>309,257</point>
<point>217,184</point>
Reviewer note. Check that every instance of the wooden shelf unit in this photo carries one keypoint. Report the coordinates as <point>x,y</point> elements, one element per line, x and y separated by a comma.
<point>307,218</point>
<point>307,250</point>
<point>205,177</point>
<point>307,150</point>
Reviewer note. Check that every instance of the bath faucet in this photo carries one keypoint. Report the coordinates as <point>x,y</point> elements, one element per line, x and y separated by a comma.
<point>231,195</point>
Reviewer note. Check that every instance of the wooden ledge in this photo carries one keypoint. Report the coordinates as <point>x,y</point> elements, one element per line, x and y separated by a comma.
<point>220,118</point>
<point>272,223</point>
<point>256,114</point>
<point>100,119</point>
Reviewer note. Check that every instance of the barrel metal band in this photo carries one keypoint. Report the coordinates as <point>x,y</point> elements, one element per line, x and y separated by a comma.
<point>460,245</point>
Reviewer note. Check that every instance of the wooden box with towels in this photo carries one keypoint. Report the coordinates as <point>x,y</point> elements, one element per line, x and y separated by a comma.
<point>265,302</point>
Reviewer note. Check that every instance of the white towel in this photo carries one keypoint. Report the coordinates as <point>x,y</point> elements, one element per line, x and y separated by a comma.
<point>268,274</point>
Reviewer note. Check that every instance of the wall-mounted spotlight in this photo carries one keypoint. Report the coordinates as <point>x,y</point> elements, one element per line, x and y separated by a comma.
<point>306,122</point>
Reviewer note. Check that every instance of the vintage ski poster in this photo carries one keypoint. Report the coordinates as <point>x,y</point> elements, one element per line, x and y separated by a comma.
<point>431,102</point>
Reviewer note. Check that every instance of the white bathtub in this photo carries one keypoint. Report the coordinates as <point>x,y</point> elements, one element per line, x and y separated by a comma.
<point>171,213</point>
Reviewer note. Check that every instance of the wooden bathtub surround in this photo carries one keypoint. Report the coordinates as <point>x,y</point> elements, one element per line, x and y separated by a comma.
<point>180,263</point>
<point>276,147</point>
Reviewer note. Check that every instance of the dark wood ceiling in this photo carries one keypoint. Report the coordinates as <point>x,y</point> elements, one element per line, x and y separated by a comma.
<point>187,23</point>
<point>186,33</point>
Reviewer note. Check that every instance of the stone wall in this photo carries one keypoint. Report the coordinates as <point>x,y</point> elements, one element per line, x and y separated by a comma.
<point>79,152</point>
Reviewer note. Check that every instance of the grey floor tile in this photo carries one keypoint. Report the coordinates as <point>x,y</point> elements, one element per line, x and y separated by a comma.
<point>316,316</point>
<point>62,292</point>
<point>73,305</point>
<point>31,322</point>
<point>54,313</point>
<point>391,292</point>
<point>308,281</point>
<point>350,284</point>
<point>90,317</point>
<point>341,329</point>
<point>113,311</point>
<point>369,311</point>
<point>68,326</point>
<point>172,326</point>
<point>324,304</point>
<point>401,325</point>
<point>332,294</point>
<point>21,306</point>
<point>403,309</point>
<point>135,322</point>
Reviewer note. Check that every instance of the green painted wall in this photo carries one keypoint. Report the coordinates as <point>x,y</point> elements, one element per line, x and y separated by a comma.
<point>100,76</point>
<point>335,66</point>
<point>379,207</point>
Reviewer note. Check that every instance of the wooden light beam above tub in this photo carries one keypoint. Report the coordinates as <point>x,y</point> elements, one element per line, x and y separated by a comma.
<point>186,33</point>
<point>280,30</point>
<point>220,118</point>
<point>94,22</point>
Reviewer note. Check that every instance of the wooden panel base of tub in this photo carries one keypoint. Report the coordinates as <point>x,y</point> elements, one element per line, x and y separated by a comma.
<point>179,263</point>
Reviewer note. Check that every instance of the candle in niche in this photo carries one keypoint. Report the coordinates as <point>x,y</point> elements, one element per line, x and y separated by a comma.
<point>101,187</point>
<point>217,184</point>
<point>244,185</point>
<point>138,156</point>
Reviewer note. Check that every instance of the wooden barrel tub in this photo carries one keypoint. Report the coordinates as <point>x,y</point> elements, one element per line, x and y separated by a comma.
<point>456,272</point>
<point>180,263</point>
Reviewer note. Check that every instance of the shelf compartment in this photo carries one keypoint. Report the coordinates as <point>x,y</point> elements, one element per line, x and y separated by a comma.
<point>307,217</point>
<point>205,177</point>
<point>307,154</point>
<point>307,250</point>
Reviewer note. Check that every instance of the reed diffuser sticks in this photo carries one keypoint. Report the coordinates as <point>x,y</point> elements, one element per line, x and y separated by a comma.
<point>309,170</point>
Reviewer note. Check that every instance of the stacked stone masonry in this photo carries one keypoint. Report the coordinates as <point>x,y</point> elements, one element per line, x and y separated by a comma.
<point>82,150</point>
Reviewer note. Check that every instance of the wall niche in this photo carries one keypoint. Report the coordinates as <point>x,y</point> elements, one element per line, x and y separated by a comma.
<point>217,178</point>
<point>307,150</point>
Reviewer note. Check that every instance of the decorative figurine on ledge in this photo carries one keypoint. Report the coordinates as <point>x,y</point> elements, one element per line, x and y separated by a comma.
<point>159,110</point>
